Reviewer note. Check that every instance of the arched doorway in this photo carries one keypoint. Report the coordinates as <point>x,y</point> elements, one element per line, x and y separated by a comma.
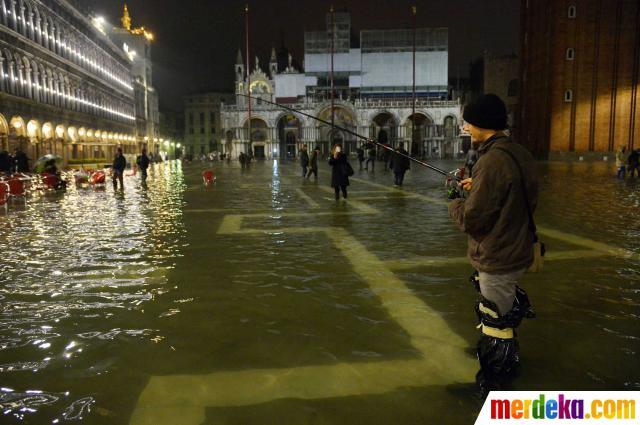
<point>417,129</point>
<point>228,137</point>
<point>259,137</point>
<point>384,129</point>
<point>330,136</point>
<point>288,135</point>
<point>4,133</point>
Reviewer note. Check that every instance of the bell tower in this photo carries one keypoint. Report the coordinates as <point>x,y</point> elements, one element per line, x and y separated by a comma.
<point>239,68</point>
<point>273,63</point>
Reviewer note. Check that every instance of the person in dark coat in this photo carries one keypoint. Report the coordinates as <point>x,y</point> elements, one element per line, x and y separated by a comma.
<point>497,216</point>
<point>360,153</point>
<point>5,162</point>
<point>143,163</point>
<point>118,167</point>
<point>387,157</point>
<point>339,177</point>
<point>313,163</point>
<point>22,161</point>
<point>304,160</point>
<point>372,157</point>
<point>633,163</point>
<point>399,164</point>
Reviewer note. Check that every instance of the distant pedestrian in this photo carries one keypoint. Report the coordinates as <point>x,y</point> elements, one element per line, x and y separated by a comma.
<point>21,161</point>
<point>400,163</point>
<point>387,156</point>
<point>633,163</point>
<point>143,163</point>
<point>372,158</point>
<point>118,167</point>
<point>313,163</point>
<point>339,171</point>
<point>360,153</point>
<point>243,159</point>
<point>5,162</point>
<point>304,160</point>
<point>621,161</point>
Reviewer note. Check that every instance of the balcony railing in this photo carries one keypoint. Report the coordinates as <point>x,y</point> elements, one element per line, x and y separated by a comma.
<point>358,103</point>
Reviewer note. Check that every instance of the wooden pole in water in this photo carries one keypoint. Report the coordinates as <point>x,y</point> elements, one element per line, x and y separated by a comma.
<point>413,116</point>
<point>333,31</point>
<point>246,9</point>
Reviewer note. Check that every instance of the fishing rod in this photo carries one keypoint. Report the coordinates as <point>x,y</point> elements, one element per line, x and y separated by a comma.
<point>448,174</point>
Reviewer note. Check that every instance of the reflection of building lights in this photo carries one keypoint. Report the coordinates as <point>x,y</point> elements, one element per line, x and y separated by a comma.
<point>173,144</point>
<point>166,143</point>
<point>178,145</point>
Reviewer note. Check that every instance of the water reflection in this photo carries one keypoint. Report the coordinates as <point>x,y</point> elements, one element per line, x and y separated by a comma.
<point>73,264</point>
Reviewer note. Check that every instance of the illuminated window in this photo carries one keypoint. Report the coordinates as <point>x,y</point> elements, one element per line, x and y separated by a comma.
<point>568,95</point>
<point>570,54</point>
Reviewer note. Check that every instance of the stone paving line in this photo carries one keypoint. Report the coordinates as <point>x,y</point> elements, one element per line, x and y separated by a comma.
<point>184,398</point>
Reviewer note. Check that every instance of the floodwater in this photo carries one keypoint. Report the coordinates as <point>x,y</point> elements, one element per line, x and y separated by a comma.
<point>260,300</point>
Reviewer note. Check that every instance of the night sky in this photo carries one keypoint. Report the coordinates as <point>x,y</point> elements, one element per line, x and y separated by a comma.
<point>197,40</point>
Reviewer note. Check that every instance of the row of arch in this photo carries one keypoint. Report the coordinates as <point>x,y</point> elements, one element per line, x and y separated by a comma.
<point>416,131</point>
<point>346,118</point>
<point>35,130</point>
<point>35,80</point>
<point>50,32</point>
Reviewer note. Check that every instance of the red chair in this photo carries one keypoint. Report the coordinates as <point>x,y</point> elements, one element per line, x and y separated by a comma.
<point>16,186</point>
<point>208,177</point>
<point>4,192</point>
<point>97,178</point>
<point>50,180</point>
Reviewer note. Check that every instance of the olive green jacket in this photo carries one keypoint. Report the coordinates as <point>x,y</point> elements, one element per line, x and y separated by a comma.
<point>494,214</point>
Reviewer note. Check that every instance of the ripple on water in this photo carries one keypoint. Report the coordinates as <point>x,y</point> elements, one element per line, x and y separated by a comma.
<point>73,266</point>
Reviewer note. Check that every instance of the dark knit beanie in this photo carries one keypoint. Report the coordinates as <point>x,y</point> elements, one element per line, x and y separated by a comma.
<point>488,111</point>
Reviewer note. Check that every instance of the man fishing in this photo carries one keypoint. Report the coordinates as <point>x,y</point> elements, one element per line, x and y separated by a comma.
<point>496,215</point>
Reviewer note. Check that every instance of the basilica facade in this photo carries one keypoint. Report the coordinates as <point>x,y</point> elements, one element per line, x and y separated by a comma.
<point>373,95</point>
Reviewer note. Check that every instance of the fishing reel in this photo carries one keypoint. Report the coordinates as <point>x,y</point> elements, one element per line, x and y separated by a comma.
<point>452,183</point>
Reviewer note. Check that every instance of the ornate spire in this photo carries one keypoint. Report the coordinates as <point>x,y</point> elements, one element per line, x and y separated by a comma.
<point>126,19</point>
<point>239,58</point>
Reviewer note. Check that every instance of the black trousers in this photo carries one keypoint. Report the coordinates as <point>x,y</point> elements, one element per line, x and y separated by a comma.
<point>371,160</point>
<point>344,192</point>
<point>118,177</point>
<point>313,171</point>
<point>399,177</point>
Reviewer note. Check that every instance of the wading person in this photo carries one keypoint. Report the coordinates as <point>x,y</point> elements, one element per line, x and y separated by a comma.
<point>621,162</point>
<point>399,164</point>
<point>503,189</point>
<point>360,153</point>
<point>118,167</point>
<point>339,171</point>
<point>313,163</point>
<point>143,163</point>
<point>304,160</point>
<point>372,158</point>
<point>22,161</point>
<point>633,163</point>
